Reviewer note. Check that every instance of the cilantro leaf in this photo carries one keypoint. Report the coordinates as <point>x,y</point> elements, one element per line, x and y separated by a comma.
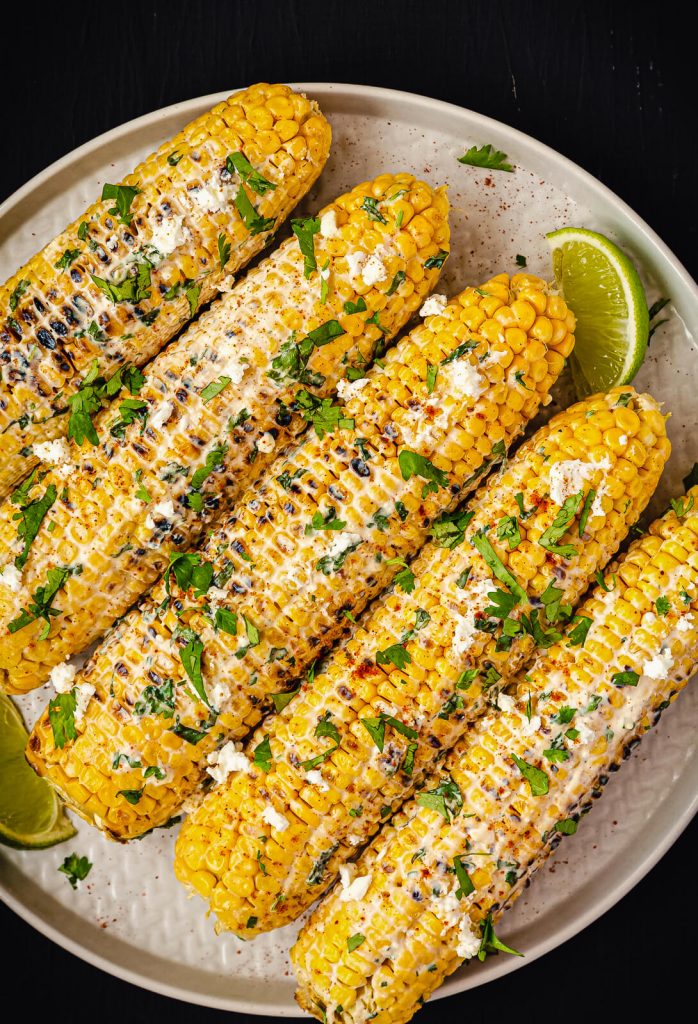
<point>68,257</point>
<point>214,388</point>
<point>481,544</point>
<point>224,248</point>
<point>252,220</point>
<point>559,525</point>
<point>239,162</point>
<point>61,716</point>
<point>305,230</point>
<point>324,416</point>
<point>394,655</point>
<point>412,464</point>
<point>486,156</point>
<point>370,205</point>
<point>31,515</point>
<point>262,755</point>
<point>490,943</point>
<point>628,678</point>
<point>41,605</point>
<point>76,868</point>
<point>446,799</point>
<point>535,777</point>
<point>464,881</point>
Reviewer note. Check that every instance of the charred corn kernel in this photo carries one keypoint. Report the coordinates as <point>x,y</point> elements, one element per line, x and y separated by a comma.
<point>175,221</point>
<point>286,570</point>
<point>213,407</point>
<point>604,715</point>
<point>477,629</point>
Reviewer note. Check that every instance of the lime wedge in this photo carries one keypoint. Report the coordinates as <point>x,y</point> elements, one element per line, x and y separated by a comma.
<point>603,289</point>
<point>31,815</point>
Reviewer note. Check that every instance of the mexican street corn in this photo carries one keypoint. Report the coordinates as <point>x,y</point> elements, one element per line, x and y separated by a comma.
<point>423,897</point>
<point>123,278</point>
<point>81,541</point>
<point>352,745</point>
<point>309,544</point>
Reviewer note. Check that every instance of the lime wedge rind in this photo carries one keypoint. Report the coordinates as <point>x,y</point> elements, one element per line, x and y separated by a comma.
<point>31,814</point>
<point>604,291</point>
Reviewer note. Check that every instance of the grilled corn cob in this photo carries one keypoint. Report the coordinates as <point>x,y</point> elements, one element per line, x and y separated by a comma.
<point>264,846</point>
<point>207,418</point>
<point>435,878</point>
<point>336,511</point>
<point>175,225</point>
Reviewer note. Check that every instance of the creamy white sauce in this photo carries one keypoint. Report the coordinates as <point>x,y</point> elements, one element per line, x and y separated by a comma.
<point>11,577</point>
<point>568,477</point>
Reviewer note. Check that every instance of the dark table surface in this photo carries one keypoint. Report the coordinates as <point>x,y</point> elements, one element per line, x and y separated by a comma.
<point>610,85</point>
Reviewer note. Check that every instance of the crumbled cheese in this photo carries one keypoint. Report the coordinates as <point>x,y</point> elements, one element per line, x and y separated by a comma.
<point>215,596</point>
<point>163,510</point>
<point>468,941</point>
<point>464,378</point>
<point>529,727</point>
<point>11,577</point>
<point>328,224</point>
<point>347,389</point>
<point>352,888</point>
<point>266,443</point>
<point>315,778</point>
<point>506,703</point>
<point>465,628</point>
<point>596,506</point>
<point>166,236</point>
<point>212,197</point>
<point>355,261</point>
<point>685,623</point>
<point>219,695</point>
<point>373,270</point>
<point>272,817</point>
<point>569,477</point>
<point>586,735</point>
<point>161,415</point>
<point>233,364</point>
<point>56,452</point>
<point>434,305</point>
<point>340,542</point>
<point>226,760</point>
<point>83,695</point>
<point>62,676</point>
<point>623,440</point>
<point>658,667</point>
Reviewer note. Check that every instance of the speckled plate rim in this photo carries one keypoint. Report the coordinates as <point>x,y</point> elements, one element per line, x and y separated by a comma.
<point>669,821</point>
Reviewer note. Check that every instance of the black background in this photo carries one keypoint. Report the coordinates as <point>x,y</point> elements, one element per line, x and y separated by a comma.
<point>610,85</point>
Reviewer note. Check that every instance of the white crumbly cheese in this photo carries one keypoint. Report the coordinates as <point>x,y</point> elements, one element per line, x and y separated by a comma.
<point>373,270</point>
<point>161,415</point>
<point>273,818</point>
<point>529,727</point>
<point>463,378</point>
<point>215,597</point>
<point>449,909</point>
<point>355,261</point>
<point>506,703</point>
<point>62,676</point>
<point>623,440</point>
<point>340,542</point>
<point>163,510</point>
<point>56,452</point>
<point>11,577</point>
<point>226,760</point>
<point>218,695</point>
<point>658,667</point>
<point>328,224</point>
<point>347,389</point>
<point>569,477</point>
<point>596,506</point>
<point>212,198</point>
<point>167,235</point>
<point>352,888</point>
<point>685,623</point>
<point>468,941</point>
<point>233,364</point>
<point>465,629</point>
<point>315,778</point>
<point>266,443</point>
<point>83,695</point>
<point>434,305</point>
<point>586,735</point>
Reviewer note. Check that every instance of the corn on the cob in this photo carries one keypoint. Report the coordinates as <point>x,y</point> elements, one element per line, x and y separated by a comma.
<point>262,847</point>
<point>314,539</point>
<point>512,787</point>
<point>173,223</point>
<point>214,405</point>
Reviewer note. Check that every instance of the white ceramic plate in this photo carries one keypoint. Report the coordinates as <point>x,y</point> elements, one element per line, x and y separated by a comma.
<point>131,917</point>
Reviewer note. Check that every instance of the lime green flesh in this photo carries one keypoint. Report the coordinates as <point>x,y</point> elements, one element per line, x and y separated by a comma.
<point>603,289</point>
<point>31,815</point>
